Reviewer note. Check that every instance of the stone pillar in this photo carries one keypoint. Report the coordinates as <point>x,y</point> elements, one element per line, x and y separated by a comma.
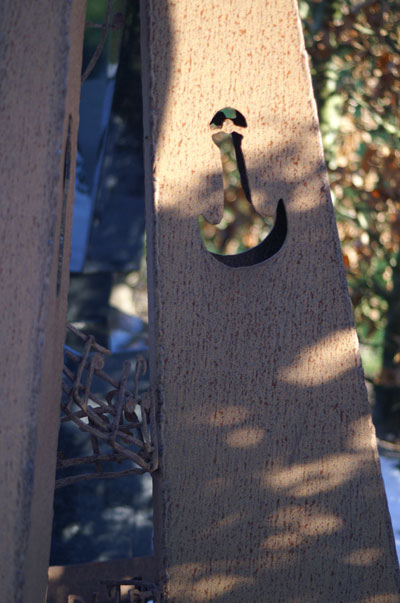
<point>269,487</point>
<point>40,65</point>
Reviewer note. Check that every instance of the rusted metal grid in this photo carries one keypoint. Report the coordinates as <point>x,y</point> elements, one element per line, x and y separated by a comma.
<point>122,420</point>
<point>113,21</point>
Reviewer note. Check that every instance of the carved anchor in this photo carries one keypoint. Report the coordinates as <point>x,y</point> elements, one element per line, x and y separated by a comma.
<point>238,206</point>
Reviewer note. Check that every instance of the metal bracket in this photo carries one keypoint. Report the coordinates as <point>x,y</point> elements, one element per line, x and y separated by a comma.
<point>141,591</point>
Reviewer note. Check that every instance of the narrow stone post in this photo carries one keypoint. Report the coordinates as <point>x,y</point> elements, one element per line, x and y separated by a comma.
<point>269,486</point>
<point>40,65</point>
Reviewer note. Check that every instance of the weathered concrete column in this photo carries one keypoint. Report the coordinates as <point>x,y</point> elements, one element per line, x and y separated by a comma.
<point>270,486</point>
<point>40,64</point>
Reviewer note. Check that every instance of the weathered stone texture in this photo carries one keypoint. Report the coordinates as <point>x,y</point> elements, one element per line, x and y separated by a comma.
<point>270,487</point>
<point>40,62</point>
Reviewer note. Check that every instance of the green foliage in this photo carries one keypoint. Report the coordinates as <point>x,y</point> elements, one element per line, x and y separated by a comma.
<point>355,61</point>
<point>96,12</point>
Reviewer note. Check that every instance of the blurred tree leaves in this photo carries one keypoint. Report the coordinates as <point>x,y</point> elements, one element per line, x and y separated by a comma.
<point>355,60</point>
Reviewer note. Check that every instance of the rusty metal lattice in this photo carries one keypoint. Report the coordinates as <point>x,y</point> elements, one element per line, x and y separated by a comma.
<point>113,21</point>
<point>122,420</point>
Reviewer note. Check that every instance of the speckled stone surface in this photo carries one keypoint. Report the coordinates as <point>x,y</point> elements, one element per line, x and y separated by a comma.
<point>269,487</point>
<point>40,64</point>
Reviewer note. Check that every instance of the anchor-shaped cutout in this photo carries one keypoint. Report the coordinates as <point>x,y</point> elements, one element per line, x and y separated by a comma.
<point>255,245</point>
